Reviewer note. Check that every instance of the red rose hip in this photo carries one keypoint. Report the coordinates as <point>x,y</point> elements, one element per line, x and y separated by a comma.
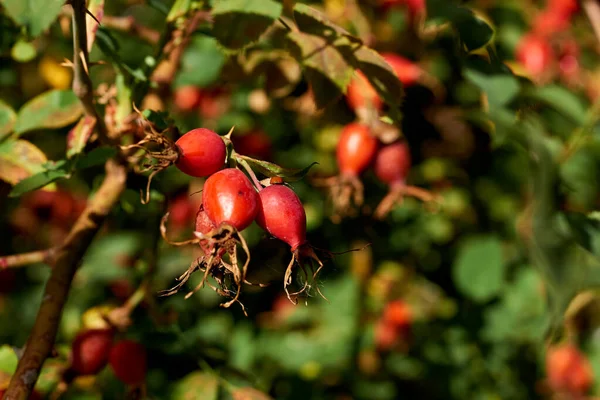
<point>202,152</point>
<point>90,351</point>
<point>535,53</point>
<point>229,197</point>
<point>282,215</point>
<point>356,149</point>
<point>406,70</point>
<point>392,163</point>
<point>128,361</point>
<point>361,93</point>
<point>568,370</point>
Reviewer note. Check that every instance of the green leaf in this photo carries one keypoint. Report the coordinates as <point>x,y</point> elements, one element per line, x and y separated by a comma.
<point>205,51</point>
<point>197,385</point>
<point>35,15</point>
<point>239,23</point>
<point>500,89</point>
<point>8,359</point>
<point>179,9</point>
<point>96,157</point>
<point>79,135</point>
<point>96,8</point>
<point>562,100</point>
<point>478,270</point>
<point>38,181</point>
<point>327,71</point>
<point>23,51</point>
<point>50,110</point>
<point>270,169</point>
<point>20,159</point>
<point>474,32</point>
<point>8,118</point>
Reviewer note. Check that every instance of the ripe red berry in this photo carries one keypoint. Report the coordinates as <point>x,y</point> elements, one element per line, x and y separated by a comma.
<point>398,313</point>
<point>386,335</point>
<point>392,163</point>
<point>128,361</point>
<point>228,196</point>
<point>282,215</point>
<point>202,152</point>
<point>89,351</point>
<point>187,98</point>
<point>361,93</point>
<point>356,149</point>
<point>535,53</point>
<point>407,71</point>
<point>568,370</point>
<point>181,211</point>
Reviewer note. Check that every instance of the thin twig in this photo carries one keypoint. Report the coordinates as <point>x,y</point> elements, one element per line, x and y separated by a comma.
<point>67,260</point>
<point>21,260</point>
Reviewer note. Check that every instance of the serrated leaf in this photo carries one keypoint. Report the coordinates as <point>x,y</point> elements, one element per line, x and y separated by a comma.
<point>270,169</point>
<point>37,181</point>
<point>327,71</point>
<point>79,135</point>
<point>8,117</point>
<point>500,89</point>
<point>478,270</point>
<point>249,393</point>
<point>50,110</point>
<point>20,159</point>
<point>35,15</point>
<point>312,21</point>
<point>562,100</point>
<point>197,385</point>
<point>239,23</point>
<point>8,359</point>
<point>96,8</point>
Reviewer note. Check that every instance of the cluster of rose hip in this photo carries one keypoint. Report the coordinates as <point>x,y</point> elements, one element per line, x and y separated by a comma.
<point>93,349</point>
<point>363,144</point>
<point>548,49</point>
<point>231,201</point>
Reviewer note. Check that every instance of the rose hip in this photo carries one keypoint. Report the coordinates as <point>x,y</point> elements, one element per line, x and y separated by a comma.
<point>229,197</point>
<point>356,149</point>
<point>392,163</point>
<point>202,152</point>
<point>128,361</point>
<point>89,351</point>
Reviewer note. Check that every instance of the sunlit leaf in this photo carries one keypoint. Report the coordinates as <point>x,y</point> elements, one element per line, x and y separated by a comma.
<point>20,159</point>
<point>49,110</point>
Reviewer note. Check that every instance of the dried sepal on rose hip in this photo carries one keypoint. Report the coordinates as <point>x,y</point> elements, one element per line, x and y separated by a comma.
<point>229,205</point>
<point>392,165</point>
<point>282,215</point>
<point>355,151</point>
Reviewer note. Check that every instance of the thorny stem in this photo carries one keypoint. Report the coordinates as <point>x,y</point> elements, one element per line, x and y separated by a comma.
<point>20,260</point>
<point>65,263</point>
<point>82,84</point>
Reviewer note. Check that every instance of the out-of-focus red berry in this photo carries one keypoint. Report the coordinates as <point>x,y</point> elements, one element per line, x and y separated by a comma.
<point>362,94</point>
<point>535,54</point>
<point>386,335</point>
<point>89,351</point>
<point>408,71</point>
<point>128,361</point>
<point>398,313</point>
<point>187,98</point>
<point>568,370</point>
<point>181,212</point>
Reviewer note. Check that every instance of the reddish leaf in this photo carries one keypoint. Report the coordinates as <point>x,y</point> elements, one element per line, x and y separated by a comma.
<point>96,8</point>
<point>20,159</point>
<point>79,135</point>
